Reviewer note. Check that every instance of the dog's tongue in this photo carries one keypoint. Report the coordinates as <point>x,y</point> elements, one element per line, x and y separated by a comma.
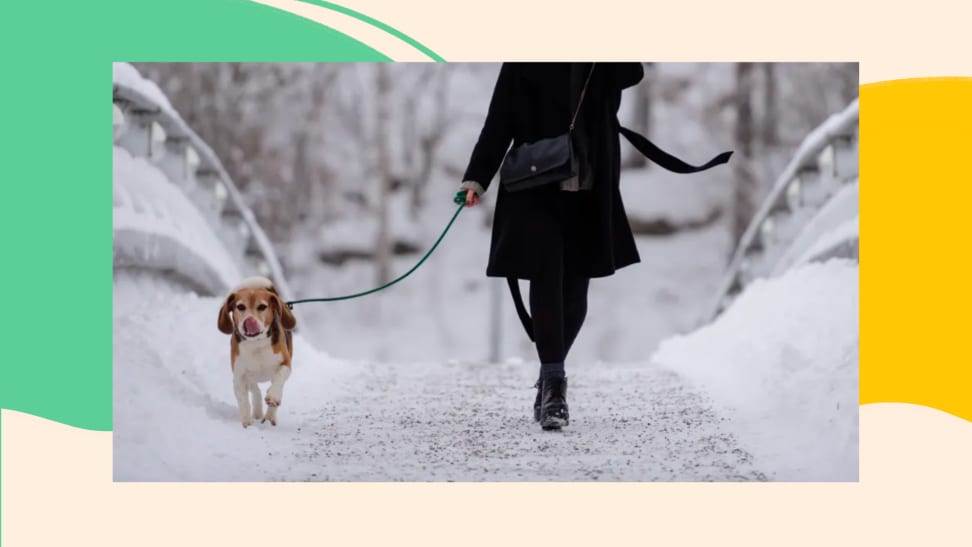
<point>251,327</point>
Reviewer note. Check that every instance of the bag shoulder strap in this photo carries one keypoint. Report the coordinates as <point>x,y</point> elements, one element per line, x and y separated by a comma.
<point>581,100</point>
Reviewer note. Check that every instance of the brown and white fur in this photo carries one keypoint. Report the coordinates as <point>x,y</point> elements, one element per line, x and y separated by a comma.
<point>261,347</point>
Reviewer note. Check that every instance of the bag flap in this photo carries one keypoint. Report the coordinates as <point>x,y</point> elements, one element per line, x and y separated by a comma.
<point>531,159</point>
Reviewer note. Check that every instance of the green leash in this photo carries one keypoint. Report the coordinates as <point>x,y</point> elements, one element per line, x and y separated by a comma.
<point>460,199</point>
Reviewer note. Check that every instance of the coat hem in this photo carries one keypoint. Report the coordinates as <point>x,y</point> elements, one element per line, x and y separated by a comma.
<point>527,277</point>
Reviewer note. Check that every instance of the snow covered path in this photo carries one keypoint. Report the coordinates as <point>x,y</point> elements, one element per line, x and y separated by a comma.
<point>473,422</point>
<point>175,417</point>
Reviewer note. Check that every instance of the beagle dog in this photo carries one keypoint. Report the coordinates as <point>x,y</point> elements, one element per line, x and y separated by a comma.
<point>261,347</point>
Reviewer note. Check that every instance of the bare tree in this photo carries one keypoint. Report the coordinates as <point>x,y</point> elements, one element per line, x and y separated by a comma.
<point>770,105</point>
<point>744,195</point>
<point>642,115</point>
<point>382,172</point>
<point>322,191</point>
<point>428,143</point>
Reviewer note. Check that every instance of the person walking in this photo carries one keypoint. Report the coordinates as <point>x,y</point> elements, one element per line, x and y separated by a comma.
<point>557,232</point>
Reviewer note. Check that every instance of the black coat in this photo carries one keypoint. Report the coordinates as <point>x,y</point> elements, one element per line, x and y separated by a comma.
<point>532,101</point>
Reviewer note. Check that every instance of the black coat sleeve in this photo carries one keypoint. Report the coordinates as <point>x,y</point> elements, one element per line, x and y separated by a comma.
<point>497,132</point>
<point>627,74</point>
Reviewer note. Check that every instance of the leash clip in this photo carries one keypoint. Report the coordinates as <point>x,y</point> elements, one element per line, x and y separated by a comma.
<point>460,198</point>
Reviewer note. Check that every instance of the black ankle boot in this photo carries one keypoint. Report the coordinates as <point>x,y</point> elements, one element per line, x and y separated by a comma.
<point>553,410</point>
<point>538,400</point>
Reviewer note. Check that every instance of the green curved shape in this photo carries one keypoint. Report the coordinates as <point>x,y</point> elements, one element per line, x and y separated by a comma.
<point>225,30</point>
<point>378,24</point>
<point>56,212</point>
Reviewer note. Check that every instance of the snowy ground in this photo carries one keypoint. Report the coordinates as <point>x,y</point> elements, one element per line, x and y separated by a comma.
<point>717,405</point>
<point>175,418</point>
<point>473,422</point>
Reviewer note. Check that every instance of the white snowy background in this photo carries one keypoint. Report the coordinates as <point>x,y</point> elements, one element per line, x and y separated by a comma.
<point>399,385</point>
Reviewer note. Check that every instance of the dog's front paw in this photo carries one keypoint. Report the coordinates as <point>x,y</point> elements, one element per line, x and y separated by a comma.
<point>245,417</point>
<point>271,415</point>
<point>273,397</point>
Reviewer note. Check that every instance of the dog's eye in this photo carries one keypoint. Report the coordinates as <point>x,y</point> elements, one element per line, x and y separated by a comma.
<point>241,307</point>
<point>261,307</point>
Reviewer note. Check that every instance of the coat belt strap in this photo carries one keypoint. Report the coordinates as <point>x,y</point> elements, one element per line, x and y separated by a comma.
<point>666,160</point>
<point>520,308</point>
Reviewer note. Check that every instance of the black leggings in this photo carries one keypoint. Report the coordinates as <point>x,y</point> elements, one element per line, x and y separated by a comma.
<point>558,304</point>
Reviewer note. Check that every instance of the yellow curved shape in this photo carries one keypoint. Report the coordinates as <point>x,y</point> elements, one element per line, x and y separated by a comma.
<point>916,265</point>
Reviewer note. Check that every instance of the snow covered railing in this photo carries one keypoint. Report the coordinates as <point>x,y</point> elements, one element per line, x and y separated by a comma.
<point>147,127</point>
<point>810,213</point>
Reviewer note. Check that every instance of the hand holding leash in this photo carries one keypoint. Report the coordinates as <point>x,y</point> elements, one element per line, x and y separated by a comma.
<point>467,196</point>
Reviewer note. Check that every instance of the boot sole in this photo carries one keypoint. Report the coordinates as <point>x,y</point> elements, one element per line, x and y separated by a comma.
<point>553,424</point>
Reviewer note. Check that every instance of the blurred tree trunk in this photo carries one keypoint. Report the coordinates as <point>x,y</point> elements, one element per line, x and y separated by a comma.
<point>319,191</point>
<point>305,178</point>
<point>642,116</point>
<point>383,173</point>
<point>744,195</point>
<point>849,76</point>
<point>428,144</point>
<point>770,106</point>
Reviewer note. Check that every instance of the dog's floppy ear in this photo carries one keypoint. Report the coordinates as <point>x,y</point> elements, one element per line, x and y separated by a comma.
<point>224,322</point>
<point>287,318</point>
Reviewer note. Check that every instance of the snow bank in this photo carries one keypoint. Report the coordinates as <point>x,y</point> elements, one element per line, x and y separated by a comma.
<point>127,75</point>
<point>843,233</point>
<point>155,225</point>
<point>782,361</point>
<point>836,221</point>
<point>175,415</point>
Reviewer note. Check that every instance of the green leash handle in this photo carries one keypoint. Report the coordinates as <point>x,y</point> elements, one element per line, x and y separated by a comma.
<point>460,199</point>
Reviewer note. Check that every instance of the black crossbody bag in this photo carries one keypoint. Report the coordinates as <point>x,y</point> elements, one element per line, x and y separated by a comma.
<point>545,161</point>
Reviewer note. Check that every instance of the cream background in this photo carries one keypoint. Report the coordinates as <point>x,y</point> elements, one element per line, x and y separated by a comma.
<point>365,33</point>
<point>916,473</point>
<point>893,39</point>
<point>914,488</point>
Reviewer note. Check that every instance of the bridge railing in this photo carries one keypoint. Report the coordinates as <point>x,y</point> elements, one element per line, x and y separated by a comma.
<point>816,193</point>
<point>148,128</point>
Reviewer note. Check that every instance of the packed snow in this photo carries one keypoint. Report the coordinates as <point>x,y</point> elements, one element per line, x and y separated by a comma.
<point>781,363</point>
